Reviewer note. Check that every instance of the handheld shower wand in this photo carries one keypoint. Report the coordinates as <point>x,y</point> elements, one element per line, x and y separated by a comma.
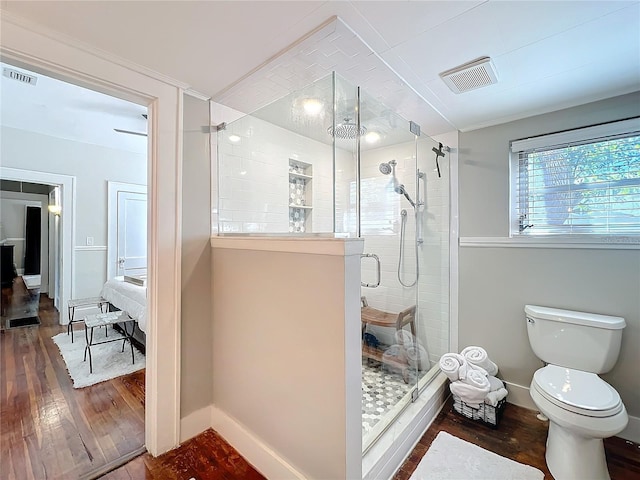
<point>390,168</point>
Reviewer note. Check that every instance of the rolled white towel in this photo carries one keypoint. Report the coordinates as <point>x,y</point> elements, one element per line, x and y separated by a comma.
<point>478,379</point>
<point>473,390</point>
<point>494,397</point>
<point>417,357</point>
<point>496,383</point>
<point>404,338</point>
<point>478,356</point>
<point>451,363</point>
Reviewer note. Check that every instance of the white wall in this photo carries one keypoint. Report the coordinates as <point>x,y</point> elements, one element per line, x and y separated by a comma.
<point>92,166</point>
<point>12,210</point>
<point>496,283</point>
<point>257,201</point>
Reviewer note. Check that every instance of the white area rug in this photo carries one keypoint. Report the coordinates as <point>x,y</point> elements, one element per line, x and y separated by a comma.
<point>108,360</point>
<point>450,458</point>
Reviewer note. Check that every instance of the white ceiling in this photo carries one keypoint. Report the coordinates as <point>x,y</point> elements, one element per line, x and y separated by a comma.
<point>548,54</point>
<point>59,109</point>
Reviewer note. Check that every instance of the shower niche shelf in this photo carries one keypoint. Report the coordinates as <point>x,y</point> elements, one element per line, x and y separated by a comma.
<point>300,195</point>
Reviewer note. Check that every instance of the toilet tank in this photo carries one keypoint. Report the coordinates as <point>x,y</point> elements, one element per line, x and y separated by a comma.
<point>578,340</point>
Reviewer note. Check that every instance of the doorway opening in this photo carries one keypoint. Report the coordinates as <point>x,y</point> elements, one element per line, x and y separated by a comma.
<point>66,139</point>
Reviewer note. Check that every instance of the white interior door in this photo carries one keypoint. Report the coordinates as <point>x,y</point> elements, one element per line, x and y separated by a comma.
<point>132,233</point>
<point>127,245</point>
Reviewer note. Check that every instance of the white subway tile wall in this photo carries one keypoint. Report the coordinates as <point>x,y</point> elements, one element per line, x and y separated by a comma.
<point>254,158</point>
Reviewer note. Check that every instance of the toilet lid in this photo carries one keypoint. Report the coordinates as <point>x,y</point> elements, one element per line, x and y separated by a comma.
<point>581,392</point>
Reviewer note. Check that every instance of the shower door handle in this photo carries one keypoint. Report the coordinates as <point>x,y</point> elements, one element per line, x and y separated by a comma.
<point>377,259</point>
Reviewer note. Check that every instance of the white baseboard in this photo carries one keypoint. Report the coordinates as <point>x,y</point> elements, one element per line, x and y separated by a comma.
<point>195,423</point>
<point>632,432</point>
<point>256,452</point>
<point>519,395</point>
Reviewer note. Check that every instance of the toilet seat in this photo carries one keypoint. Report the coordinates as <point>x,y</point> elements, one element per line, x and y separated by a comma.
<point>580,392</point>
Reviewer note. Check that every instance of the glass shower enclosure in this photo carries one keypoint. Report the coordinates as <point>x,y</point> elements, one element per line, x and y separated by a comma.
<point>331,160</point>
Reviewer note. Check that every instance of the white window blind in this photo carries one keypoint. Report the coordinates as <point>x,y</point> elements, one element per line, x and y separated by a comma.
<point>379,207</point>
<point>589,183</point>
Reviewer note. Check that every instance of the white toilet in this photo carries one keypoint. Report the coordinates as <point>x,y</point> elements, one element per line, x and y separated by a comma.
<point>581,407</point>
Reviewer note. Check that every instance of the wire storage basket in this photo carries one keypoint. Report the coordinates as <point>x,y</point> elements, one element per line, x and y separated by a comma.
<point>485,413</point>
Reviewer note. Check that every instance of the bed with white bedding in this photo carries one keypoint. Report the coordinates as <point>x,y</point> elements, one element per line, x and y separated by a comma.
<point>127,297</point>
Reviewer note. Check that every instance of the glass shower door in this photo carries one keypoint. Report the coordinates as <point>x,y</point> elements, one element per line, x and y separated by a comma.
<point>389,205</point>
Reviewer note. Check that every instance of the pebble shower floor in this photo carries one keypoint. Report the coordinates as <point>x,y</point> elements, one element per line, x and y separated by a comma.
<point>381,391</point>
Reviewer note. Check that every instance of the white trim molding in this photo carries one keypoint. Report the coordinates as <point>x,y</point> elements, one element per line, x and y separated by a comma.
<point>257,453</point>
<point>11,239</point>
<point>627,242</point>
<point>40,50</point>
<point>519,395</point>
<point>195,423</point>
<point>91,248</point>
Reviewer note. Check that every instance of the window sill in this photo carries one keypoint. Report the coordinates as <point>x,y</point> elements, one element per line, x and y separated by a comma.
<point>627,242</point>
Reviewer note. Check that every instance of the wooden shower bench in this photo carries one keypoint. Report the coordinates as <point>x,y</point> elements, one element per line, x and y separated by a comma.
<point>380,318</point>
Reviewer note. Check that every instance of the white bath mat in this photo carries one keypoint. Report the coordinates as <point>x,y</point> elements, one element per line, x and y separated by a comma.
<point>108,360</point>
<point>450,458</point>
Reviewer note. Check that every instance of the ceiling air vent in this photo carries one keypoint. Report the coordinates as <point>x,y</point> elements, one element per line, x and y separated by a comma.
<point>475,74</point>
<point>19,76</point>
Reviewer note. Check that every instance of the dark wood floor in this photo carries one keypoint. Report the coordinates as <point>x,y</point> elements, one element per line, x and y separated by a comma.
<point>49,429</point>
<point>205,457</point>
<point>520,436</point>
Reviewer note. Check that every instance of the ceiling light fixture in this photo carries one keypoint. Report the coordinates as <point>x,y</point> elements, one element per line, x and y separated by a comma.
<point>312,106</point>
<point>55,209</point>
<point>469,76</point>
<point>372,137</point>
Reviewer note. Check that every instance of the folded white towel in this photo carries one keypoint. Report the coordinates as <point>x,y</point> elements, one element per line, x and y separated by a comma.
<point>478,356</point>
<point>404,337</point>
<point>494,397</point>
<point>473,390</point>
<point>496,383</point>
<point>417,357</point>
<point>451,363</point>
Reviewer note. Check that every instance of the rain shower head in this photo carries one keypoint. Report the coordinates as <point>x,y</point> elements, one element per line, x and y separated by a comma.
<point>346,130</point>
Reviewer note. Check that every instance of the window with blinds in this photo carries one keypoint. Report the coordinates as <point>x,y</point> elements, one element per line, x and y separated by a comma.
<point>584,181</point>
<point>379,207</point>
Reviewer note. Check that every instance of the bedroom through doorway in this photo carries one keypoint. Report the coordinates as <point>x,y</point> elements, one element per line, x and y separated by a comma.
<point>81,365</point>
